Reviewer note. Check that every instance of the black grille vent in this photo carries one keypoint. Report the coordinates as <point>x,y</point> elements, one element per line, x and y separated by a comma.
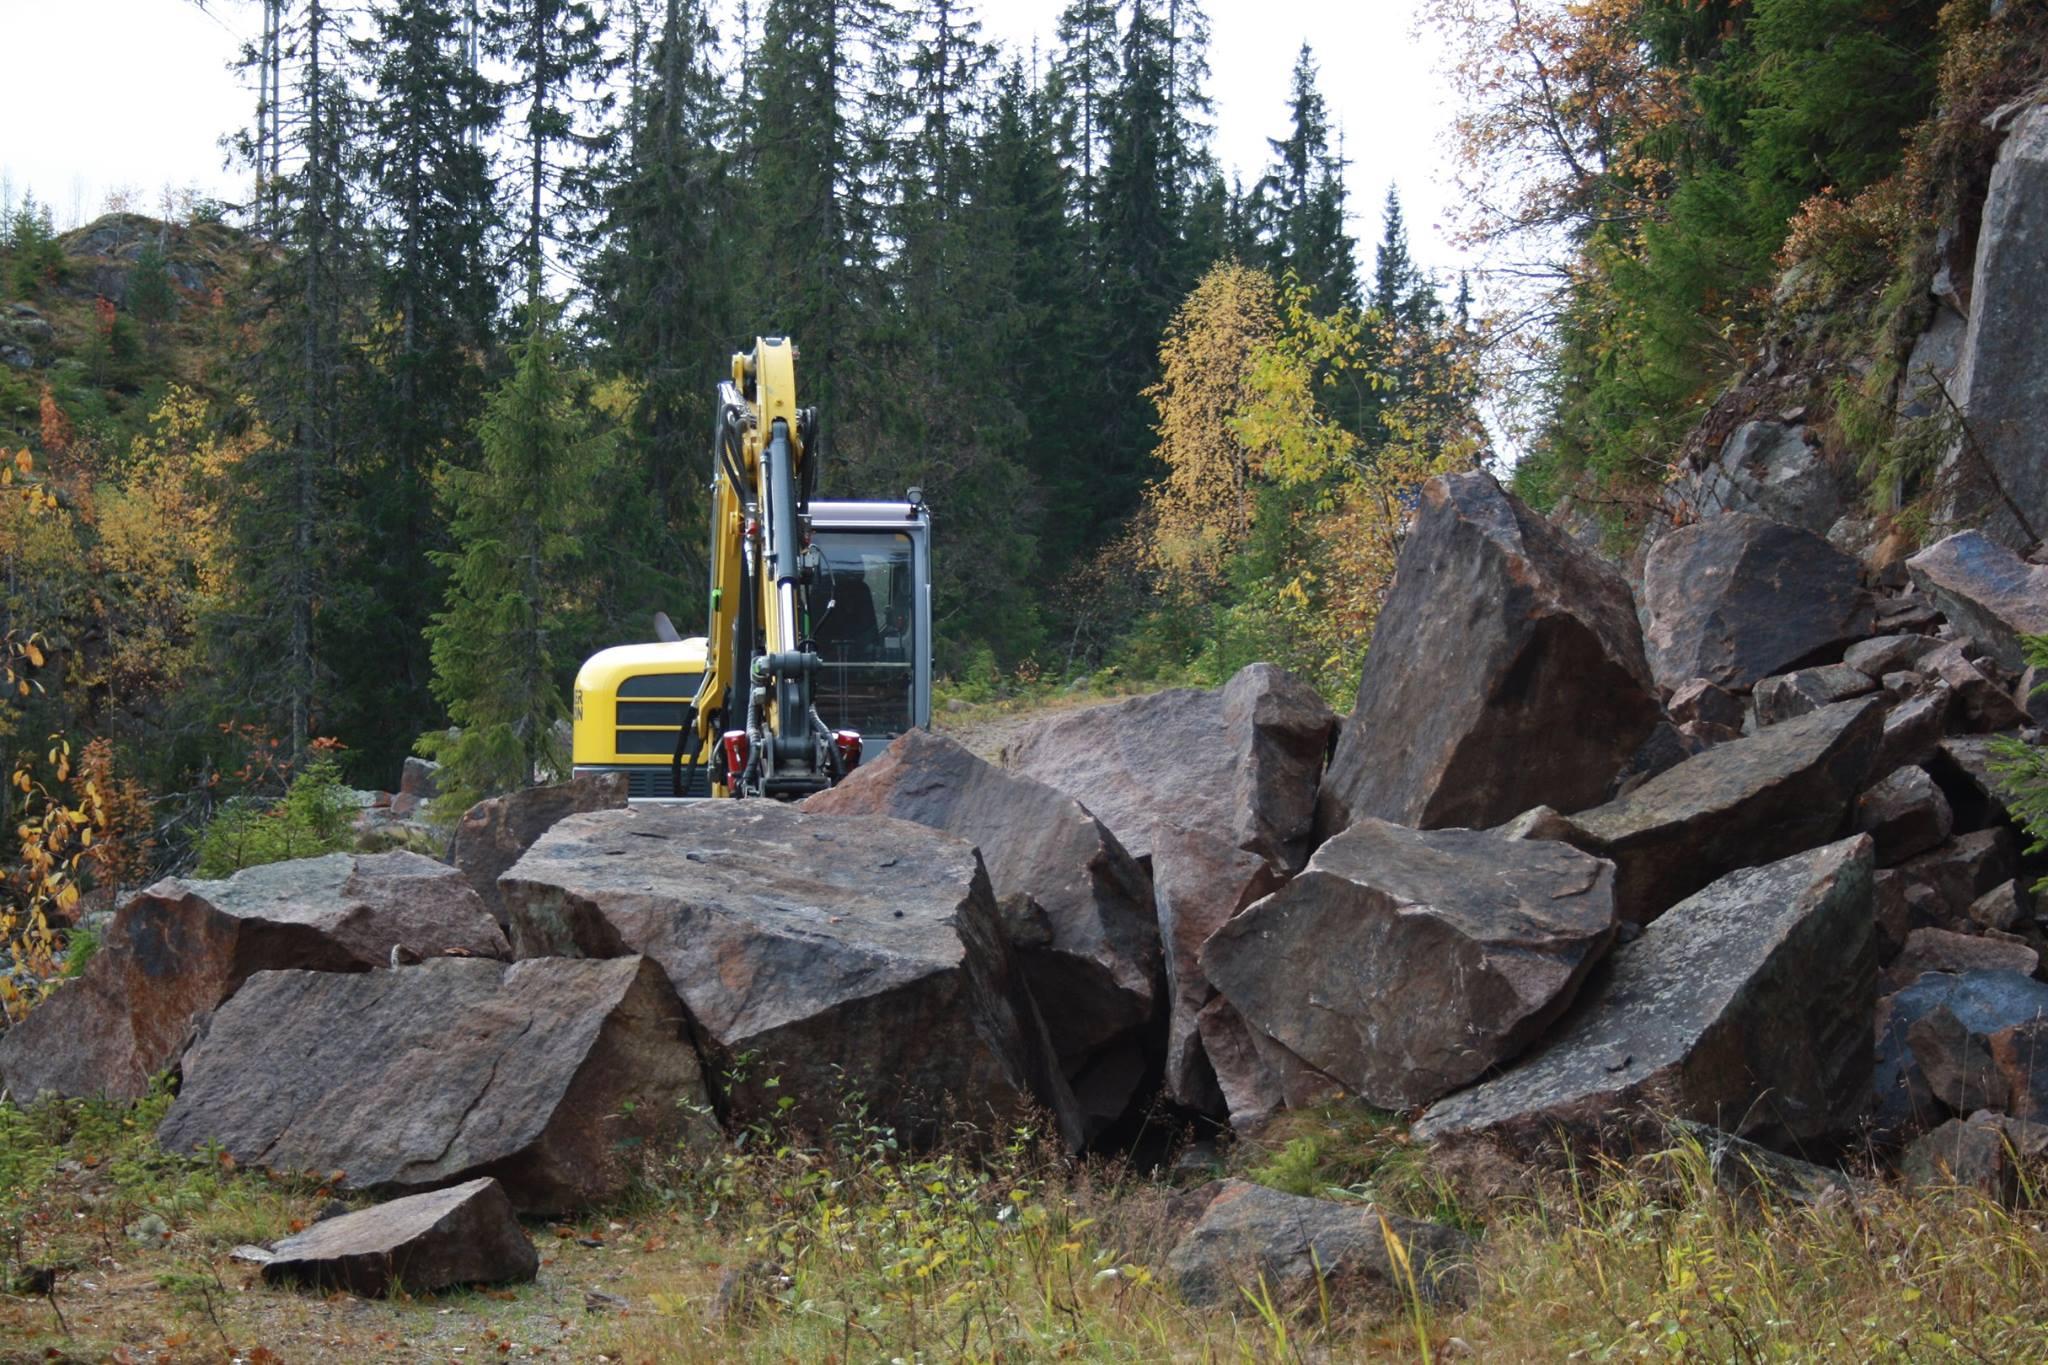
<point>652,781</point>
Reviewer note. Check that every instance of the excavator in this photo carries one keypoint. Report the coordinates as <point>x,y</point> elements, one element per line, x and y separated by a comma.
<point>818,644</point>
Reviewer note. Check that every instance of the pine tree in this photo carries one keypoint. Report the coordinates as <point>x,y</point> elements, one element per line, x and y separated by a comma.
<point>517,521</point>
<point>427,187</point>
<point>1047,310</point>
<point>952,424</point>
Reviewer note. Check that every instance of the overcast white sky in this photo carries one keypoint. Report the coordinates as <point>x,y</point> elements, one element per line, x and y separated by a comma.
<point>158,95</point>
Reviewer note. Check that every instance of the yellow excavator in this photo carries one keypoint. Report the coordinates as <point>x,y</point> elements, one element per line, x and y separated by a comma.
<point>819,638</point>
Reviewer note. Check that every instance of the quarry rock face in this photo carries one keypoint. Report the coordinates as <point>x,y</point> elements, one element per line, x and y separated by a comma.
<point>1097,975</point>
<point>1249,1233</point>
<point>1999,376</point>
<point>1747,1007</point>
<point>176,950</point>
<point>494,833</point>
<point>466,1234</point>
<point>1782,790</point>
<point>1737,599</point>
<point>831,959</point>
<point>1767,468</point>
<point>543,1074</point>
<point>1408,963</point>
<point>1232,762</point>
<point>1506,672</point>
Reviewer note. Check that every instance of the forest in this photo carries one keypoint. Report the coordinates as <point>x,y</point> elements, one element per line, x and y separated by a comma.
<point>436,427</point>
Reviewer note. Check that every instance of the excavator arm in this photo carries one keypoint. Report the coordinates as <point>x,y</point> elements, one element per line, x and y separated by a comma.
<point>753,714</point>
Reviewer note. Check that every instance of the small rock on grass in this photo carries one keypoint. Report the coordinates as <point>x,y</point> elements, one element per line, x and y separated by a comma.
<point>466,1234</point>
<point>1249,1234</point>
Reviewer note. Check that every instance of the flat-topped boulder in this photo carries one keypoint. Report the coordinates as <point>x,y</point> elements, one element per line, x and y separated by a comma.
<point>1784,789</point>
<point>175,951</point>
<point>1747,1007</point>
<point>1239,763</point>
<point>544,1074</point>
<point>1408,963</point>
<point>1736,599</point>
<point>494,832</point>
<point>1096,971</point>
<point>825,959</point>
<point>1506,671</point>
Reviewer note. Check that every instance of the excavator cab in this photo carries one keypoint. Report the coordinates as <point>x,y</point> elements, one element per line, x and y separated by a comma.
<point>818,645</point>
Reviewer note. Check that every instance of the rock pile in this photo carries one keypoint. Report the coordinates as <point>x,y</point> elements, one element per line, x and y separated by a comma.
<point>1574,869</point>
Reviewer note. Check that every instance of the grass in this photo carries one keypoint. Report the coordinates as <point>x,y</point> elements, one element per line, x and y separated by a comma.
<point>848,1250</point>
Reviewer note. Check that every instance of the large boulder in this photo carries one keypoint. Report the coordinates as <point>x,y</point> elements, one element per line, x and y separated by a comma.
<point>424,1243</point>
<point>544,1074</point>
<point>1786,788</point>
<point>1738,599</point>
<point>1095,971</point>
<point>1408,963</point>
<point>176,950</point>
<point>836,961</point>
<point>1987,592</point>
<point>2002,463</point>
<point>1238,762</point>
<point>494,833</point>
<point>1199,883</point>
<point>1251,1238</point>
<point>1506,671</point>
<point>1747,1006</point>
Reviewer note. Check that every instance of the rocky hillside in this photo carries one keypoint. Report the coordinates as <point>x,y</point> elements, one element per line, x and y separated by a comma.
<point>106,370</point>
<point>1582,864</point>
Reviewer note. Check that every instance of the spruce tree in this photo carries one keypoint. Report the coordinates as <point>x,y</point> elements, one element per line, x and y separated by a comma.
<point>1083,85</point>
<point>265,641</point>
<point>435,230</point>
<point>560,98</point>
<point>662,288</point>
<point>1301,200</point>
<point>518,521</point>
<point>823,124</point>
<point>1157,160</point>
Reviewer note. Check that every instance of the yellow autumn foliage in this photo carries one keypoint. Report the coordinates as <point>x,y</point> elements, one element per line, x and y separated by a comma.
<point>1198,514</point>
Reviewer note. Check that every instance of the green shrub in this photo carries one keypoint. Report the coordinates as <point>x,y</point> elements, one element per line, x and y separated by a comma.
<point>315,816</point>
<point>2022,769</point>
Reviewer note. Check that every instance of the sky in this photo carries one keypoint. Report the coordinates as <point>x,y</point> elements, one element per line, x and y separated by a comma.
<point>166,96</point>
